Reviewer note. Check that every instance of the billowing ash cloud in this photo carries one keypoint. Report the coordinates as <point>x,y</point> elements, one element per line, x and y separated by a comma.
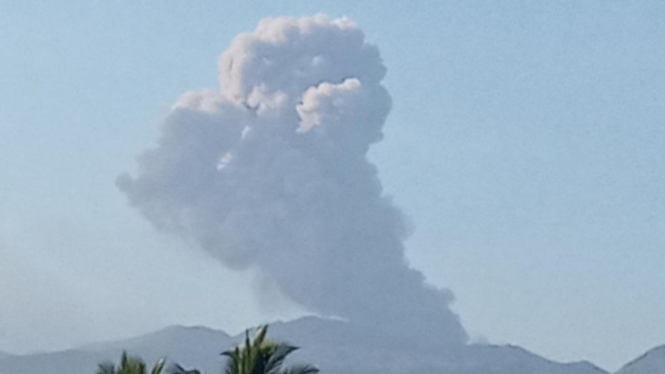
<point>270,172</point>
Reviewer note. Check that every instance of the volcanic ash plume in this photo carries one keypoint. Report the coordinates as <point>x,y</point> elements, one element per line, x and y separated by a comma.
<point>270,172</point>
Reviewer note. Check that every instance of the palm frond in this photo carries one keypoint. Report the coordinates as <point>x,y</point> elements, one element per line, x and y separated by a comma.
<point>177,369</point>
<point>140,366</point>
<point>106,368</point>
<point>233,362</point>
<point>300,369</point>
<point>276,359</point>
<point>261,336</point>
<point>124,361</point>
<point>259,355</point>
<point>159,366</point>
<point>132,365</point>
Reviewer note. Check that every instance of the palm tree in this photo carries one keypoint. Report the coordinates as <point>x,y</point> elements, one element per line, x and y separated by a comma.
<point>177,369</point>
<point>130,365</point>
<point>263,356</point>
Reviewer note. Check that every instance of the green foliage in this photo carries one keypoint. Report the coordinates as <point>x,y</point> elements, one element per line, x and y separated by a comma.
<point>177,369</point>
<point>256,356</point>
<point>262,356</point>
<point>130,365</point>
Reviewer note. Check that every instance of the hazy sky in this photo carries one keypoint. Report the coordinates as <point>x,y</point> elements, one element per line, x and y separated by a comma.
<point>526,143</point>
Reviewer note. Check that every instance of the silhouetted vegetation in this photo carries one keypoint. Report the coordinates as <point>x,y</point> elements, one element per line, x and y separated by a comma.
<point>130,365</point>
<point>258,355</point>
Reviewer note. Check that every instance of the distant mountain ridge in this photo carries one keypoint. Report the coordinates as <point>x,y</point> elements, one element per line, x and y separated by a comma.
<point>336,347</point>
<point>652,362</point>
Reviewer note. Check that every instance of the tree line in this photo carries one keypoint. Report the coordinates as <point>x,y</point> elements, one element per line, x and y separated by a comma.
<point>257,355</point>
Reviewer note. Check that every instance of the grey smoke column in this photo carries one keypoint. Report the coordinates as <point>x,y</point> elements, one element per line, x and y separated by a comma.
<point>271,172</point>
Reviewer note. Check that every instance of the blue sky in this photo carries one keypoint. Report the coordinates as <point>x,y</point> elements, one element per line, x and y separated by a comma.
<point>526,144</point>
